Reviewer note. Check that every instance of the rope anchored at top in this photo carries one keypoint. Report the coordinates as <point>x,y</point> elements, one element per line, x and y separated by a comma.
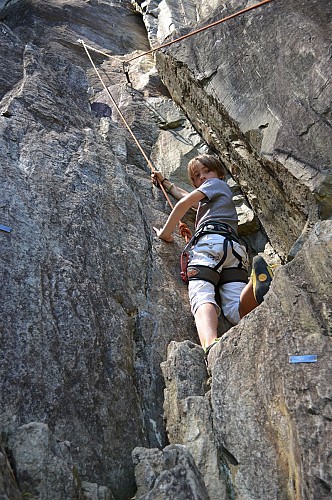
<point>179,39</point>
<point>199,30</point>
<point>183,228</point>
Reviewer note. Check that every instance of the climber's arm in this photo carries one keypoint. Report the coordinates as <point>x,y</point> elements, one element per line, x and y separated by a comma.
<point>180,209</point>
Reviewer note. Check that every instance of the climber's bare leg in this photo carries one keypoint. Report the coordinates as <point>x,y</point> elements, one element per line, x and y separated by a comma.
<point>206,319</point>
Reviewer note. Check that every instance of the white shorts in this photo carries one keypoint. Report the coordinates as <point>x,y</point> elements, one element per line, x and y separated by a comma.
<point>208,251</point>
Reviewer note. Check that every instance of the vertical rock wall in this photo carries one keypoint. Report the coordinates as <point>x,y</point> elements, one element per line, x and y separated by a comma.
<point>83,325</point>
<point>91,299</point>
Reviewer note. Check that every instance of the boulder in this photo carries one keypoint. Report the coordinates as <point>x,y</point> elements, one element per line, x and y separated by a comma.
<point>167,474</point>
<point>42,465</point>
<point>188,414</point>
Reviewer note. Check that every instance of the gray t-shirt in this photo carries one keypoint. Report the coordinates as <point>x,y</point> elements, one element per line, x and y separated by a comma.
<point>218,204</point>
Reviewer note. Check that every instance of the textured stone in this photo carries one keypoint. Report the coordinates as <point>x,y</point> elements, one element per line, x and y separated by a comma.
<point>110,26</point>
<point>44,467</point>
<point>90,297</point>
<point>40,463</point>
<point>93,491</point>
<point>11,69</point>
<point>188,414</point>
<point>270,414</point>
<point>5,4</point>
<point>168,474</point>
<point>248,222</point>
<point>81,336</point>
<point>68,321</point>
<point>163,18</point>
<point>8,485</point>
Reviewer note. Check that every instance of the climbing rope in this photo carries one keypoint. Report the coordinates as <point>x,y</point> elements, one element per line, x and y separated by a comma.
<point>199,30</point>
<point>167,44</point>
<point>183,228</point>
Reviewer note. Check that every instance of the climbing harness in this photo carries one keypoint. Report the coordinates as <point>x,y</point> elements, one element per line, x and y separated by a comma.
<point>211,274</point>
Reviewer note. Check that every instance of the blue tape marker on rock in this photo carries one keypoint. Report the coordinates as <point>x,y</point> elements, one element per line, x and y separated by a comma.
<point>6,228</point>
<point>307,358</point>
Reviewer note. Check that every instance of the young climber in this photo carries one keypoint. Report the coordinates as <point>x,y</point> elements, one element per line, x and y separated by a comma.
<point>215,248</point>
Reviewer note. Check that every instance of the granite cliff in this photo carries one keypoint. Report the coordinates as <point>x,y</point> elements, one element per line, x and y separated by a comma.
<point>104,390</point>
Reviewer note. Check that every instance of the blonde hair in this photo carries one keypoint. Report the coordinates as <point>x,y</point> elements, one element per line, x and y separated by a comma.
<point>209,161</point>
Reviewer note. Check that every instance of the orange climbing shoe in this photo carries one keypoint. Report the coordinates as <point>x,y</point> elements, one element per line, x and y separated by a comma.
<point>261,276</point>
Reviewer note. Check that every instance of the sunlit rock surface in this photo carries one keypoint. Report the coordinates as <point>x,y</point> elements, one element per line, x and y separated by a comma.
<point>91,299</point>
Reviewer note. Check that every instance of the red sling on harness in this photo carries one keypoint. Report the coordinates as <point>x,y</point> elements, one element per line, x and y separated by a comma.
<point>184,260</point>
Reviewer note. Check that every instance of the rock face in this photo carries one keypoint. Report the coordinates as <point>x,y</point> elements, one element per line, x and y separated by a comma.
<point>284,408</point>
<point>8,485</point>
<point>70,343</point>
<point>170,473</point>
<point>92,301</point>
<point>263,413</point>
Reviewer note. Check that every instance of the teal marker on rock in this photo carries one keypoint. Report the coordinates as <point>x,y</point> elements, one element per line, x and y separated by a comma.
<point>5,228</point>
<point>306,358</point>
